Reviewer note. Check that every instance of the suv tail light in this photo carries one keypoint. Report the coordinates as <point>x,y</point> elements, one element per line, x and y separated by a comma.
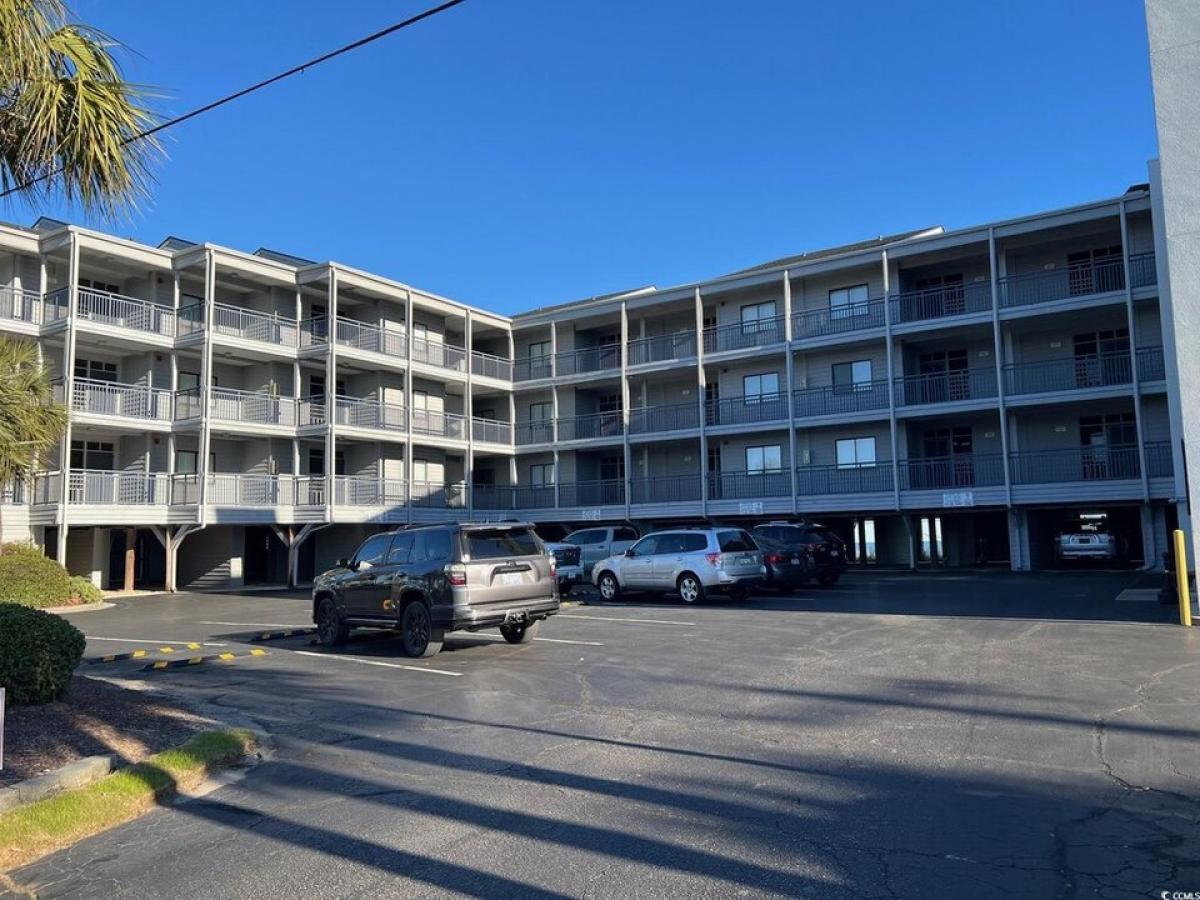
<point>773,559</point>
<point>456,577</point>
<point>553,566</point>
<point>714,559</point>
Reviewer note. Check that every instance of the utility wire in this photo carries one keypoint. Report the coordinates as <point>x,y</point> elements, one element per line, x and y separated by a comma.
<point>295,70</point>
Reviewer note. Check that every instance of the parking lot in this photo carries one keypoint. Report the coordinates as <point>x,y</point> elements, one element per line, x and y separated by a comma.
<point>921,736</point>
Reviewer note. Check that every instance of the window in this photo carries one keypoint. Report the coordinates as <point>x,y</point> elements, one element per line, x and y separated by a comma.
<point>316,387</point>
<point>758,316</point>
<point>589,536</point>
<point>856,453</point>
<point>95,369</point>
<point>402,548</point>
<point>186,461</point>
<point>541,411</point>
<point>848,301</point>
<point>760,460</point>
<point>735,541</point>
<point>612,468</point>
<point>541,474</point>
<point>851,376</point>
<point>500,543</point>
<point>539,356</point>
<point>670,543</point>
<point>624,534</point>
<point>433,546</point>
<point>647,546</point>
<point>316,462</point>
<point>99,285</point>
<point>94,455</point>
<point>373,551</point>
<point>760,387</point>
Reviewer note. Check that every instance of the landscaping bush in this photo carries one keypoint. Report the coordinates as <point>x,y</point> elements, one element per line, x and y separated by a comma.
<point>31,578</point>
<point>38,653</point>
<point>82,589</point>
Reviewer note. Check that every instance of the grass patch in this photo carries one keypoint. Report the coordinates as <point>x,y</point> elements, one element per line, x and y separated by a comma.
<point>48,825</point>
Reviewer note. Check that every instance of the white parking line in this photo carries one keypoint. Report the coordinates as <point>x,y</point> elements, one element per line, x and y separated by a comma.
<point>375,662</point>
<point>91,637</point>
<point>500,637</point>
<point>632,621</point>
<point>255,624</point>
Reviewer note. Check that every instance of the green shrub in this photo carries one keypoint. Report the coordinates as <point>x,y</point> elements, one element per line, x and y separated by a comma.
<point>38,653</point>
<point>31,578</point>
<point>82,589</point>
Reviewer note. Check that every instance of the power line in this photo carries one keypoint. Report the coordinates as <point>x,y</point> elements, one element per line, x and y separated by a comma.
<point>295,70</point>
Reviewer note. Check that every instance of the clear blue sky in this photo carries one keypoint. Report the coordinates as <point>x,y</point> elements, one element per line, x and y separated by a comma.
<point>514,153</point>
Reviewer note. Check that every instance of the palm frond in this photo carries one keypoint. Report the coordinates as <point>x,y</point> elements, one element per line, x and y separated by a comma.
<point>31,422</point>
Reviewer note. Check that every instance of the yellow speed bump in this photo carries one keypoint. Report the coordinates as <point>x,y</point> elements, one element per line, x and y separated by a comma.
<point>118,657</point>
<point>276,635</point>
<point>198,660</point>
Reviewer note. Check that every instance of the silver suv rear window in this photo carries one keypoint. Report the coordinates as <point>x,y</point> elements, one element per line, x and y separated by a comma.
<point>499,543</point>
<point>734,541</point>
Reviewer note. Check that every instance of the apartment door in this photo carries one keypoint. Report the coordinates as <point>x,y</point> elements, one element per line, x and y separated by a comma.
<point>610,414</point>
<point>1102,357</point>
<point>612,479</point>
<point>1095,271</point>
<point>940,295</point>
<point>715,481</point>
<point>949,455</point>
<point>945,378</point>
<point>712,403</point>
<point>1109,446</point>
<point>610,351</point>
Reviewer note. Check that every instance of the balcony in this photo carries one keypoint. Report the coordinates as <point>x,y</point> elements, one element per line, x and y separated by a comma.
<point>487,365</point>
<point>1159,462</point>
<point>508,497</point>
<point>596,425</point>
<point>1068,373</point>
<point>91,486</point>
<point>752,409</point>
<point>361,336</point>
<point>187,405</point>
<point>941,302</point>
<point>491,431</point>
<point>1075,280</point>
<point>832,400</point>
<point>130,401</point>
<point>749,485</point>
<point>591,493</point>
<point>666,489</point>
<point>117,311</point>
<point>251,407</point>
<point>673,417</point>
<point>360,491</point>
<point>843,319</point>
<point>744,335</point>
<point>662,348</point>
<point>21,306</point>
<point>946,387</point>
<point>962,470</point>
<point>589,359</point>
<point>1142,270</point>
<point>439,424</point>
<point>314,332</point>
<point>1115,463</point>
<point>251,490</point>
<point>875,478</point>
<point>433,495</point>
<point>357,413</point>
<point>1150,364</point>
<point>436,353</point>
<point>533,367</point>
<point>248,325</point>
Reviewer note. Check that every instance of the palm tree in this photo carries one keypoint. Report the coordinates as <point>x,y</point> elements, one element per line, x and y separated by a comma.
<point>68,120</point>
<point>30,421</point>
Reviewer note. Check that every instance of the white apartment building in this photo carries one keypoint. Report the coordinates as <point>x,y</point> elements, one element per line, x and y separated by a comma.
<point>942,397</point>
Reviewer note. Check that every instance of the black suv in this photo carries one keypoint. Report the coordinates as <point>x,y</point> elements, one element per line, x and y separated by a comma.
<point>797,552</point>
<point>428,580</point>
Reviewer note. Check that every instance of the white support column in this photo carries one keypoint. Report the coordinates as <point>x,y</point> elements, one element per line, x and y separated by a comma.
<point>469,409</point>
<point>174,378</point>
<point>627,456</point>
<point>206,375</point>
<point>701,384</point>
<point>68,393</point>
<point>1131,325</point>
<point>1000,359</point>
<point>891,381</point>
<point>408,404</point>
<point>789,374</point>
<point>554,406</point>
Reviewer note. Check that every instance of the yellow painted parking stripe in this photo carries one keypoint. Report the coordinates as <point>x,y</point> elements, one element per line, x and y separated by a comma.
<point>117,657</point>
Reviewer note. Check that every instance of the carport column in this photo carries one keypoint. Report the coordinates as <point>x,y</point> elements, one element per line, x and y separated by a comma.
<point>469,409</point>
<point>554,403</point>
<point>408,404</point>
<point>206,374</point>
<point>891,392</point>
<point>996,350</point>
<point>1133,362</point>
<point>628,466</point>
<point>68,392</point>
<point>700,392</point>
<point>1150,552</point>
<point>296,380</point>
<point>789,374</point>
<point>512,416</point>
<point>1018,540</point>
<point>174,385</point>
<point>331,395</point>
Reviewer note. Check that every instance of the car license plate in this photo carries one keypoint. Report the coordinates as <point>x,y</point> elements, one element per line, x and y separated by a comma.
<point>794,561</point>
<point>745,561</point>
<point>834,553</point>
<point>511,578</point>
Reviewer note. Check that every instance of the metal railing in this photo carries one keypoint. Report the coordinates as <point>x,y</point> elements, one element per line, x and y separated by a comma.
<point>46,489</point>
<point>830,399</point>
<point>747,485</point>
<point>357,490</point>
<point>125,312</point>
<point>1075,280</point>
<point>229,489</point>
<point>1159,462</point>
<point>250,325</point>
<point>662,348</point>
<point>832,479</point>
<point>596,425</point>
<point>740,335</point>
<point>18,305</point>
<point>944,387</point>
<point>591,493</point>
<point>314,331</point>
<point>55,305</point>
<point>439,424</point>
<point>541,432</point>
<point>311,411</point>
<point>185,489</point>
<point>746,410</point>
<point>14,494</point>
<point>962,470</point>
<point>427,494</point>
<point>838,319</point>
<point>587,359</point>
<point>365,336</point>
<point>358,413</point>
<point>187,404</point>
<point>488,365</point>
<point>1068,373</point>
<point>1115,463</point>
<point>258,407</point>
<point>93,486</point>
<point>494,496</point>
<point>108,398</point>
<point>672,417</point>
<point>1150,364</point>
<point>941,302</point>
<point>491,431</point>
<point>532,367</point>
<point>437,353</point>
<point>1142,270</point>
<point>665,489</point>
<point>189,319</point>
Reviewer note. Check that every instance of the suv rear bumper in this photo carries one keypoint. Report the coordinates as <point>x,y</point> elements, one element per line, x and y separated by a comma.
<point>470,618</point>
<point>725,583</point>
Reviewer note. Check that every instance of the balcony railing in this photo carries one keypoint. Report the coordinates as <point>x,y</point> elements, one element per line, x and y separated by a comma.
<point>597,425</point>
<point>120,311</point>
<point>46,488</point>
<point>1150,364</point>
<point>185,489</point>
<point>665,489</point>
<point>828,400</point>
<point>747,485</point>
<point>189,319</point>
<point>1115,463</point>
<point>249,325</point>
<point>311,411</point>
<point>314,331</point>
<point>941,302</point>
<point>541,432</point>
<point>358,413</point>
<point>591,493</point>
<point>107,398</point>
<point>228,489</point>
<point>1159,463</point>
<point>741,335</point>
<point>844,479</point>
<point>511,497</point>
<point>360,491</point>
<point>945,387</point>
<point>365,336</point>
<point>1142,271</point>
<point>1075,280</point>
<point>18,305</point>
<point>838,319</point>
<point>90,486</point>
<point>587,359</point>
<point>258,407</point>
<point>428,494</point>
<point>488,365</point>
<point>436,353</point>
<point>673,417</point>
<point>746,410</point>
<point>532,367</point>
<point>14,494</point>
<point>439,424</point>
<point>187,404</point>
<point>962,470</point>
<point>1068,373</point>
<point>491,431</point>
<point>662,348</point>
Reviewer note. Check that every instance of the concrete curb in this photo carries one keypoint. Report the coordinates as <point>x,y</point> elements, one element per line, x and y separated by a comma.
<point>82,607</point>
<point>75,774</point>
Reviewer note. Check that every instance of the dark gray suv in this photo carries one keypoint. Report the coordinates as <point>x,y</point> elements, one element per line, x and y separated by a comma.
<point>425,581</point>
